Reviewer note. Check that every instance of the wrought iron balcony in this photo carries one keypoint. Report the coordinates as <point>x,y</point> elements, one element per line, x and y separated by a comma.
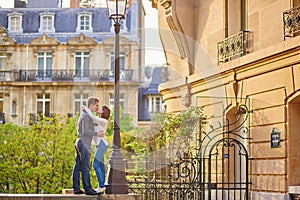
<point>291,22</point>
<point>234,46</point>
<point>72,75</point>
<point>8,75</point>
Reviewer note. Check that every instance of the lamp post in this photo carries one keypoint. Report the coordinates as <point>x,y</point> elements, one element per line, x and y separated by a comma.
<point>116,183</point>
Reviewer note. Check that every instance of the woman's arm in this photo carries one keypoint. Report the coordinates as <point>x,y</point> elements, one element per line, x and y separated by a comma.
<point>102,122</point>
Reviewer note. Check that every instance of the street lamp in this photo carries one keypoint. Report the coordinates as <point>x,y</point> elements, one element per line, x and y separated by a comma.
<point>116,183</point>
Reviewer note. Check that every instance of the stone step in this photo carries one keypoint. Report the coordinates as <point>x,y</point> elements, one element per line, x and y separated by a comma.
<point>69,197</point>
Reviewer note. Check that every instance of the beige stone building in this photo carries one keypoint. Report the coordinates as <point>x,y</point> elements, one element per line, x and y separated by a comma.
<point>226,53</point>
<point>51,60</point>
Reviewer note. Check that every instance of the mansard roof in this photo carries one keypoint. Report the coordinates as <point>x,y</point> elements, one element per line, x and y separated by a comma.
<point>65,24</point>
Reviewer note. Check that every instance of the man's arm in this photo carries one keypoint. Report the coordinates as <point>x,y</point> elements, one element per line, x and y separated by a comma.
<point>88,127</point>
<point>102,122</point>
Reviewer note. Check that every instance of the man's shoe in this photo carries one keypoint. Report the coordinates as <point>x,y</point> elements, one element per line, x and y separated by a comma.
<point>78,192</point>
<point>101,190</point>
<point>91,192</point>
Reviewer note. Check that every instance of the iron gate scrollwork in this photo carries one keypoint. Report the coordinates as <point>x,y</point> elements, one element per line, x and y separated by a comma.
<point>216,168</point>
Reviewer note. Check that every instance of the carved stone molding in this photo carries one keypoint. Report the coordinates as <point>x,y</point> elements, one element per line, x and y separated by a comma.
<point>166,3</point>
<point>44,40</point>
<point>81,39</point>
<point>37,49</point>
<point>177,33</point>
<point>3,35</point>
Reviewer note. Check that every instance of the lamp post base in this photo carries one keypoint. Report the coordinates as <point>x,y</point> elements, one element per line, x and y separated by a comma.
<point>116,177</point>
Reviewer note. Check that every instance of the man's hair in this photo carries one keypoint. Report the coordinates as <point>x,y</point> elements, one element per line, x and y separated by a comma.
<point>92,101</point>
<point>106,112</point>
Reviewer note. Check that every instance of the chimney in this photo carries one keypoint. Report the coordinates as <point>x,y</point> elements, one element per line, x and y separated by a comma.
<point>74,3</point>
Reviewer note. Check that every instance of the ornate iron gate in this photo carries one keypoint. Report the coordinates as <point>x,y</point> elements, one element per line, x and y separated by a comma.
<point>218,168</point>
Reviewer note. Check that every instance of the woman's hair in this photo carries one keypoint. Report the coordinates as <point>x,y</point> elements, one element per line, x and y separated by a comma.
<point>106,112</point>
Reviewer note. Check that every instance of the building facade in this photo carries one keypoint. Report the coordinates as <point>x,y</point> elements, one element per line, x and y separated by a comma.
<point>224,54</point>
<point>149,100</point>
<point>51,60</point>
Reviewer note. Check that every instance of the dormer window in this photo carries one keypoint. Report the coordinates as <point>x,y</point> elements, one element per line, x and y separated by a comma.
<point>84,22</point>
<point>15,22</point>
<point>46,22</point>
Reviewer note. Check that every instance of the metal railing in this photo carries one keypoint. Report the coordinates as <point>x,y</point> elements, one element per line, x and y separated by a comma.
<point>215,167</point>
<point>291,22</point>
<point>163,181</point>
<point>235,45</point>
<point>72,75</point>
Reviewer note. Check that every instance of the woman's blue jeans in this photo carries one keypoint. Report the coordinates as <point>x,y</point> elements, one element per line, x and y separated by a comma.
<point>98,163</point>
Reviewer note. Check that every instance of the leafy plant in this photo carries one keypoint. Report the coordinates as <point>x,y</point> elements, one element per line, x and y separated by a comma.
<point>176,130</point>
<point>37,158</point>
<point>168,136</point>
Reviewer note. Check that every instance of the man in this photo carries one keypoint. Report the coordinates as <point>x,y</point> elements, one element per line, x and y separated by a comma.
<point>83,148</point>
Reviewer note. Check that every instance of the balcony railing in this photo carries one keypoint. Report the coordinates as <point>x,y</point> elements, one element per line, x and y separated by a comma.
<point>291,22</point>
<point>70,75</point>
<point>234,46</point>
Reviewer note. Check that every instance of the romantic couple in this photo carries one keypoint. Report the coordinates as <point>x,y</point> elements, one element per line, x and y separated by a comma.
<point>88,131</point>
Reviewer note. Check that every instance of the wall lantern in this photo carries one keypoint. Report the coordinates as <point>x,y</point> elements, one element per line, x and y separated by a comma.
<point>275,138</point>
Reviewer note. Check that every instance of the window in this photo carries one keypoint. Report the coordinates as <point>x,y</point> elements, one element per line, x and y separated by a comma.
<point>3,60</point>
<point>44,65</point>
<point>111,100</point>
<point>15,22</point>
<point>47,22</point>
<point>82,62</point>
<point>14,108</point>
<point>79,100</point>
<point>122,57</point>
<point>84,22</point>
<point>236,16</point>
<point>43,104</point>
<point>155,104</point>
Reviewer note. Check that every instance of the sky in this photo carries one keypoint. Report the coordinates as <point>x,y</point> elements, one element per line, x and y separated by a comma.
<point>153,45</point>
<point>154,54</point>
<point>6,3</point>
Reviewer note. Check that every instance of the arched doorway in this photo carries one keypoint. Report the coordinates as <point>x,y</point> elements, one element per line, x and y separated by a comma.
<point>294,141</point>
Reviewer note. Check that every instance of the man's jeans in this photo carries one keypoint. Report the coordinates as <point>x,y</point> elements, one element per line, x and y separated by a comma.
<point>82,163</point>
<point>98,163</point>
